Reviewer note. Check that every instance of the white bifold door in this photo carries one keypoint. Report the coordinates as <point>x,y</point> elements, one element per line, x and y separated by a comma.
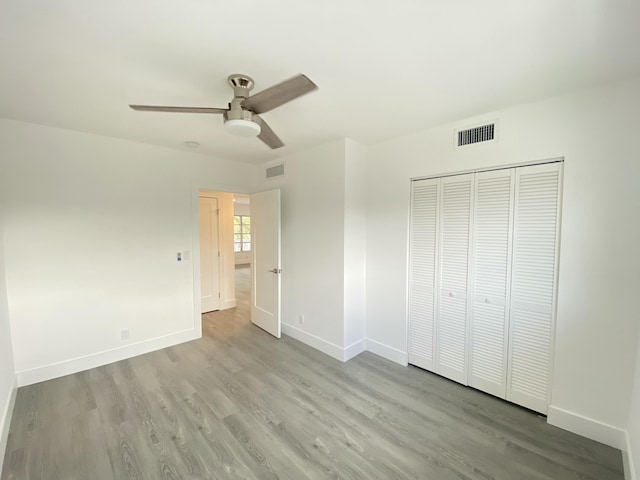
<point>533,285</point>
<point>491,261</point>
<point>482,279</point>
<point>423,250</point>
<point>439,274</point>
<point>453,285</point>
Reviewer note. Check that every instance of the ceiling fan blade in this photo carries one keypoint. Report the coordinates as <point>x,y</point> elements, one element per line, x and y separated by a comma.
<point>152,108</point>
<point>267,135</point>
<point>279,94</point>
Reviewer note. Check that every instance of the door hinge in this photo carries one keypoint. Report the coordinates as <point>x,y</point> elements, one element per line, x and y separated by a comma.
<point>219,296</point>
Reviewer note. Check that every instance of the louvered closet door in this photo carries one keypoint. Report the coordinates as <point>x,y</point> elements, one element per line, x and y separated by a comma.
<point>491,267</point>
<point>532,311</point>
<point>451,320</point>
<point>422,271</point>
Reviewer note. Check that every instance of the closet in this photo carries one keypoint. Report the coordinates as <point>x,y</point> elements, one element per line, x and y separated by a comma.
<point>483,254</point>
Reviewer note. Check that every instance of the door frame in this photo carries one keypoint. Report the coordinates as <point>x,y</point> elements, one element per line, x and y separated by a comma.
<point>196,188</point>
<point>554,313</point>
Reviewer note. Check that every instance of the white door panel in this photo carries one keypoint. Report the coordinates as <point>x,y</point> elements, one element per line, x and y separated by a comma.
<point>422,272</point>
<point>493,223</point>
<point>265,265</point>
<point>452,339</point>
<point>532,309</point>
<point>209,255</point>
<point>454,240</point>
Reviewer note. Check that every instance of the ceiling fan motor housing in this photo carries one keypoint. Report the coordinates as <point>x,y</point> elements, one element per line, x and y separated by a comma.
<point>236,112</point>
<point>239,121</point>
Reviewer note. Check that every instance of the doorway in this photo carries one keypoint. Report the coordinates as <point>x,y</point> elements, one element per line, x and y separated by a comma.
<point>216,256</point>
<point>260,237</point>
<point>225,258</point>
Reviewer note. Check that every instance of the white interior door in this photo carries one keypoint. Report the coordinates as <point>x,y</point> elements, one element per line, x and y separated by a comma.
<point>265,271</point>
<point>209,255</point>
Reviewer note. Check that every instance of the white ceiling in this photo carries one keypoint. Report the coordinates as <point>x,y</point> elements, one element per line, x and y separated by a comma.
<point>384,68</point>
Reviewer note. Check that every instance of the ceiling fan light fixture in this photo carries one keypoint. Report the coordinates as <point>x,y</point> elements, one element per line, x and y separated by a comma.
<point>242,128</point>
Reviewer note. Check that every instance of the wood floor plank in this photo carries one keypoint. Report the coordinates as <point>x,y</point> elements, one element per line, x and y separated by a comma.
<point>239,404</point>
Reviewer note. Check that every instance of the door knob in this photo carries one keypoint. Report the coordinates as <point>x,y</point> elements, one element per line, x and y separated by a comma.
<point>275,270</point>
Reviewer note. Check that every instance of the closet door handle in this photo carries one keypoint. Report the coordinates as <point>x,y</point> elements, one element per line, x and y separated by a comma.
<point>451,294</point>
<point>487,300</point>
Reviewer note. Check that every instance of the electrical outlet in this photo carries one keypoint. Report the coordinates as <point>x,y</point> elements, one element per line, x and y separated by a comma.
<point>124,334</point>
<point>301,319</point>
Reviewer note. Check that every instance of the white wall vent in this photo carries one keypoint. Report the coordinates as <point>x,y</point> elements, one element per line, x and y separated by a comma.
<point>473,135</point>
<point>275,171</point>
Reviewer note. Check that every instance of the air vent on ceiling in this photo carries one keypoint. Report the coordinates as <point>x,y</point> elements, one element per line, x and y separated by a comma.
<point>275,171</point>
<point>482,133</point>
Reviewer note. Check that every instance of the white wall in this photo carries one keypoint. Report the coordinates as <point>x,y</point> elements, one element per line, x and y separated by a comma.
<point>355,246</point>
<point>241,209</point>
<point>312,196</point>
<point>323,246</point>
<point>92,226</point>
<point>7,372</point>
<point>597,326</point>
<point>633,424</point>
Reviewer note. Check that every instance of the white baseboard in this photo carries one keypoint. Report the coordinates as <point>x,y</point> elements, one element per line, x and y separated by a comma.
<point>74,365</point>
<point>331,349</point>
<point>587,427</point>
<point>390,353</point>
<point>318,343</point>
<point>5,420</point>
<point>354,349</point>
<point>225,304</point>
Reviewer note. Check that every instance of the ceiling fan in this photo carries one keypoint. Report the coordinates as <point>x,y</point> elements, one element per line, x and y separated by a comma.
<point>242,117</point>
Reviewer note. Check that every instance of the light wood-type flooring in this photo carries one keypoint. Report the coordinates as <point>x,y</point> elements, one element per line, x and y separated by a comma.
<point>239,404</point>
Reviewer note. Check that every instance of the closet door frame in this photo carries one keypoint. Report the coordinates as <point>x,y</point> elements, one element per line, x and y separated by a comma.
<point>470,273</point>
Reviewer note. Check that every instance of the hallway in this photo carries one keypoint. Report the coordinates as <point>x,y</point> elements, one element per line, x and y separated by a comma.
<point>223,323</point>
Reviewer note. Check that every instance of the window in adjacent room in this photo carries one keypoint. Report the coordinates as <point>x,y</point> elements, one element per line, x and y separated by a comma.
<point>241,233</point>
